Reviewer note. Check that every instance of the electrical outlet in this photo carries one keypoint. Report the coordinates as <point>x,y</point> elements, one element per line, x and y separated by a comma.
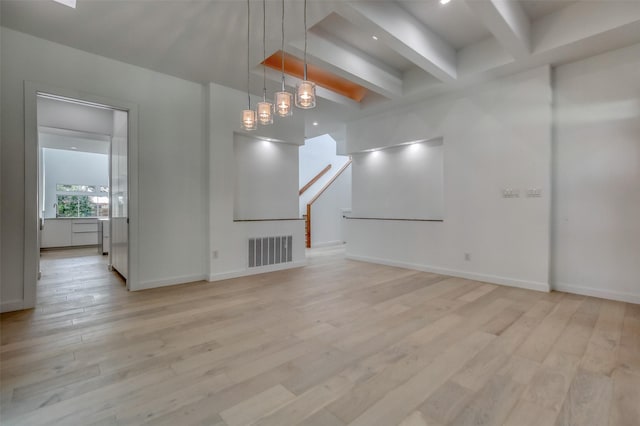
<point>467,257</point>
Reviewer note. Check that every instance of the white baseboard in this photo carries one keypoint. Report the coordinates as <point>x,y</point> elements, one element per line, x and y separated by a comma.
<point>327,244</point>
<point>594,292</point>
<point>254,271</point>
<point>511,282</point>
<point>12,305</point>
<point>145,285</point>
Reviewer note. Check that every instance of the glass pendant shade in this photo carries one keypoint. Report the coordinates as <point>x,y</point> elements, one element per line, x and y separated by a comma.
<point>248,119</point>
<point>265,112</point>
<point>306,95</point>
<point>284,104</point>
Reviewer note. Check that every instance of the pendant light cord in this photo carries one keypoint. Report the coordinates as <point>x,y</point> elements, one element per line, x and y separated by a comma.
<point>264,49</point>
<point>305,40</point>
<point>248,44</point>
<point>282,48</point>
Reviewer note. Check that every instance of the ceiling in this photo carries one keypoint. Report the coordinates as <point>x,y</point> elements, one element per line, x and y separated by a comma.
<point>537,9</point>
<point>422,48</point>
<point>454,22</point>
<point>342,32</point>
<point>72,141</point>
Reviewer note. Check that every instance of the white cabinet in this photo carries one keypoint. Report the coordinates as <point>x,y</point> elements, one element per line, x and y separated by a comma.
<point>104,232</point>
<point>84,232</point>
<point>56,233</point>
<point>68,232</point>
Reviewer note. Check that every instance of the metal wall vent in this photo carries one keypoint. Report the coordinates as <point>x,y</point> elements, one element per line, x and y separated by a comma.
<point>270,250</point>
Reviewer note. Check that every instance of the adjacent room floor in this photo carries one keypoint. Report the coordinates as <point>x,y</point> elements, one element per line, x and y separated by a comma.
<point>338,342</point>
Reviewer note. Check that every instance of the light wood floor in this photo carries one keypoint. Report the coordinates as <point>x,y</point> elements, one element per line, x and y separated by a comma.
<point>338,342</point>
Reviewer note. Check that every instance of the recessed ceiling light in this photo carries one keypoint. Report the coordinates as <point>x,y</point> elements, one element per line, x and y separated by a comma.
<point>315,123</point>
<point>74,147</point>
<point>374,37</point>
<point>70,3</point>
<point>444,1</point>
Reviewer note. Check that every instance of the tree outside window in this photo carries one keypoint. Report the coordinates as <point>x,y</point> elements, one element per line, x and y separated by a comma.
<point>76,206</point>
<point>82,205</point>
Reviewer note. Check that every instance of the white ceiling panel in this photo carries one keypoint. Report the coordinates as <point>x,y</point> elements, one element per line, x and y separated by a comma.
<point>538,8</point>
<point>345,32</point>
<point>454,21</point>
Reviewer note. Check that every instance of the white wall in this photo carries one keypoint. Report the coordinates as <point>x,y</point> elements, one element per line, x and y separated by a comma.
<point>172,156</point>
<point>72,167</point>
<point>596,176</point>
<point>496,136</point>
<point>326,212</point>
<point>403,182</point>
<point>228,239</point>
<point>266,179</point>
<point>316,154</point>
<point>67,115</point>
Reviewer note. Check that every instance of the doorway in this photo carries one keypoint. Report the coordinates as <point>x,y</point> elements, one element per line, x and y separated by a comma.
<point>83,209</point>
<point>325,192</point>
<point>82,180</point>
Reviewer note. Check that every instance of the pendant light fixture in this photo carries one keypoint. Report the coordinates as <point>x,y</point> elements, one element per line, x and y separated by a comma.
<point>283,99</point>
<point>306,90</point>
<point>248,115</point>
<point>265,108</point>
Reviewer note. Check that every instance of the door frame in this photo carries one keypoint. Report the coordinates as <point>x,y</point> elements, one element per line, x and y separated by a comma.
<point>31,214</point>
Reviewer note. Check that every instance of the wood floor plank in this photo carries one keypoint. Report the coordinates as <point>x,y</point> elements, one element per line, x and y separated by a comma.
<point>475,374</point>
<point>478,292</point>
<point>337,342</point>
<point>528,414</point>
<point>630,340</point>
<point>413,358</point>
<point>415,419</point>
<point>172,394</point>
<point>588,401</point>
<point>625,406</point>
<point>503,321</point>
<point>24,392</point>
<point>602,351</point>
<point>399,402</point>
<point>308,403</point>
<point>200,411</point>
<point>322,418</point>
<point>549,386</point>
<point>69,411</point>
<point>252,409</point>
<point>576,335</point>
<point>492,404</point>
<point>537,346</point>
<point>446,403</point>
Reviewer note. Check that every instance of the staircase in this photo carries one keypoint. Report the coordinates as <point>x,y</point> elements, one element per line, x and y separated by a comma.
<point>307,216</point>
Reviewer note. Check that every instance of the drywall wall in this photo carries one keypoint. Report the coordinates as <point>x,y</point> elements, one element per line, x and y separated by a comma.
<point>228,239</point>
<point>403,182</point>
<point>495,137</point>
<point>316,154</point>
<point>72,167</point>
<point>596,176</point>
<point>266,179</point>
<point>71,116</point>
<point>326,212</point>
<point>172,156</point>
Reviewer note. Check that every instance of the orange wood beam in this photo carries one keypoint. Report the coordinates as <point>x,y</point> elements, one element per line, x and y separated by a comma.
<point>323,78</point>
